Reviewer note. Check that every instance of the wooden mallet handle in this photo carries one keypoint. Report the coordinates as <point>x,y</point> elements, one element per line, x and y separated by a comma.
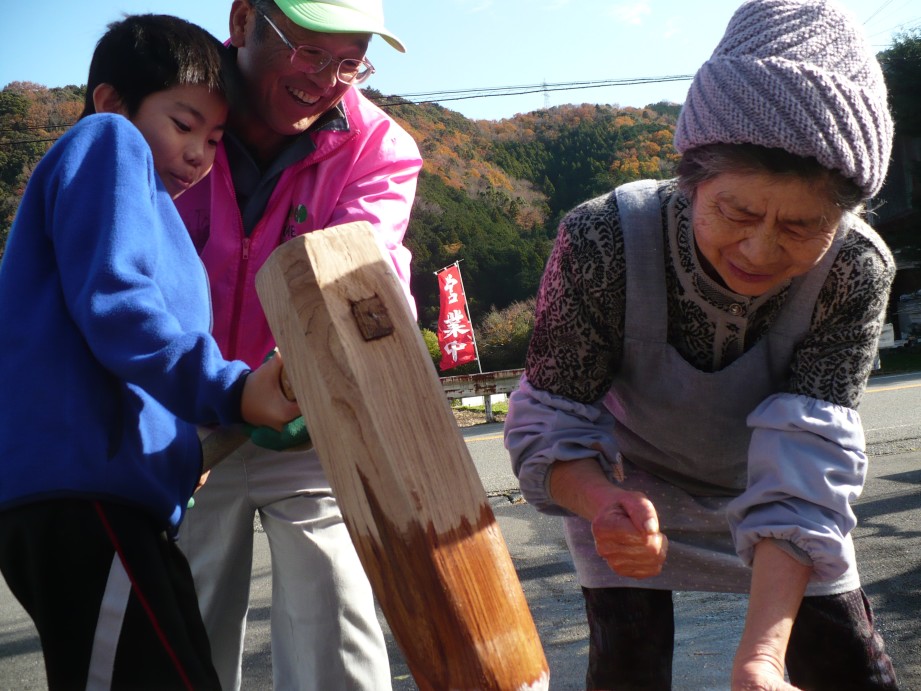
<point>402,474</point>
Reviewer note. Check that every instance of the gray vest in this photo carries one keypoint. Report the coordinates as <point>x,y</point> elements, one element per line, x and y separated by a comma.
<point>673,420</point>
<point>681,432</point>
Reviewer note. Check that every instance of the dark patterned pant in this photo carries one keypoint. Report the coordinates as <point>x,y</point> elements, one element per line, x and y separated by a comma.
<point>833,645</point>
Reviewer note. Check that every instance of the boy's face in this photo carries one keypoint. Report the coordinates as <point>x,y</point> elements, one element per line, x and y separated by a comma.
<point>183,126</point>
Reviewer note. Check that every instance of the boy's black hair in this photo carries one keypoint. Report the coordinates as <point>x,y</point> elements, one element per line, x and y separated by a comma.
<point>146,53</point>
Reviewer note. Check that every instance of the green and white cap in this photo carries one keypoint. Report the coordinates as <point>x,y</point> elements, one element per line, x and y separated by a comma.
<point>340,17</point>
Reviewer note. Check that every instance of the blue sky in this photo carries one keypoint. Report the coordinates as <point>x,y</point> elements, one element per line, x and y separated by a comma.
<point>456,45</point>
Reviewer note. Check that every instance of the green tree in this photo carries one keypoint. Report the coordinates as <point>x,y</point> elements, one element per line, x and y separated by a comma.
<point>902,70</point>
<point>15,156</point>
<point>431,343</point>
<point>503,336</point>
<point>901,65</point>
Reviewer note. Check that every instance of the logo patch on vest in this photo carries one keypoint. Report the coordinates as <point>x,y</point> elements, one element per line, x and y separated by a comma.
<point>296,216</point>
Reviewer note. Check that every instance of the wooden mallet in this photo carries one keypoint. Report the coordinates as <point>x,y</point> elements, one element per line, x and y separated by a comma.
<point>407,487</point>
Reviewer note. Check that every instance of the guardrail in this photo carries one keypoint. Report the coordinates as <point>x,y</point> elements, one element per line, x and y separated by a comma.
<point>483,384</point>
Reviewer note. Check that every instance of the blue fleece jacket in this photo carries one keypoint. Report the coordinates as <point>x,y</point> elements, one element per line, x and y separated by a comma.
<point>106,360</point>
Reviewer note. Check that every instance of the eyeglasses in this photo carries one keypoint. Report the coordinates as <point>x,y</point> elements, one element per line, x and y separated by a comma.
<point>312,60</point>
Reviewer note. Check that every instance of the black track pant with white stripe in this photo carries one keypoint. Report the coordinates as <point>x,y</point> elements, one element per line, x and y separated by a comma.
<point>111,596</point>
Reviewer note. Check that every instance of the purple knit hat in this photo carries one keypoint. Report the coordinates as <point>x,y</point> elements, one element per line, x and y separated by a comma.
<point>799,76</point>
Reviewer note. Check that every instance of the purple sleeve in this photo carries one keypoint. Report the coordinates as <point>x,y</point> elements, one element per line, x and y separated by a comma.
<point>806,465</point>
<point>542,428</point>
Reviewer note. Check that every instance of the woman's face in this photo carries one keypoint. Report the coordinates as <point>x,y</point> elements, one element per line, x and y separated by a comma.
<point>755,231</point>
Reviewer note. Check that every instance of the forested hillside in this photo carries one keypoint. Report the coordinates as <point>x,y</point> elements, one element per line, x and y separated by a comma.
<point>490,193</point>
<point>31,118</point>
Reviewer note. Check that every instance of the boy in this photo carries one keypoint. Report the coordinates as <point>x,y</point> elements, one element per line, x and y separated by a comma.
<point>108,364</point>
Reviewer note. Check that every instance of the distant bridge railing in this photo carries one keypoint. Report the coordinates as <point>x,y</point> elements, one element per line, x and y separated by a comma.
<point>483,384</point>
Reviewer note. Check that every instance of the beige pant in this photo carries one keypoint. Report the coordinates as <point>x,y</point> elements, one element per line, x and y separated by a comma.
<point>325,632</point>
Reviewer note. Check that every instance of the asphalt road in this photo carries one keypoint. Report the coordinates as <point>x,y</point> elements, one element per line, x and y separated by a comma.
<point>888,541</point>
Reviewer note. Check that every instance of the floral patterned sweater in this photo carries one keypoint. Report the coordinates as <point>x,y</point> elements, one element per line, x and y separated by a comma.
<point>587,326</point>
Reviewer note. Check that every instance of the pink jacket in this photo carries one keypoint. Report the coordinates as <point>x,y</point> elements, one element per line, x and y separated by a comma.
<point>366,173</point>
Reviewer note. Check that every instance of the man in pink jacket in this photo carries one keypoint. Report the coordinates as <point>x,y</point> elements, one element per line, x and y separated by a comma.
<point>305,151</point>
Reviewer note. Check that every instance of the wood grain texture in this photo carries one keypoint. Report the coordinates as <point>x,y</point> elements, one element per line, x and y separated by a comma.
<point>399,467</point>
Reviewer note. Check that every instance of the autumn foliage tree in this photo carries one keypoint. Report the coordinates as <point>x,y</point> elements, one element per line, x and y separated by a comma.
<point>491,193</point>
<point>32,117</point>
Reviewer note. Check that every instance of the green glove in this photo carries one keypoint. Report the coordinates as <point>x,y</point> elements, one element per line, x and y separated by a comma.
<point>292,434</point>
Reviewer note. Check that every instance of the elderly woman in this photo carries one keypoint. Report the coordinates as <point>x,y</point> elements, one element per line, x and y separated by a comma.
<point>700,349</point>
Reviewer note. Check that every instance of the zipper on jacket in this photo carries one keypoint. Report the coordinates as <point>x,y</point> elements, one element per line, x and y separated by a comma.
<point>240,289</point>
<point>238,297</point>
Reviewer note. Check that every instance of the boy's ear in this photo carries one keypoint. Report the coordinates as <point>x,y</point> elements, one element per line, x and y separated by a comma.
<point>107,100</point>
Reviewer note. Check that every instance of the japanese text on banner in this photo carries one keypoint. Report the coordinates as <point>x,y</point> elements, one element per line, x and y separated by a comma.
<point>455,333</point>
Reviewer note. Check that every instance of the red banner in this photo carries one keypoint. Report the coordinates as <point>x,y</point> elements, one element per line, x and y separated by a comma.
<point>455,333</point>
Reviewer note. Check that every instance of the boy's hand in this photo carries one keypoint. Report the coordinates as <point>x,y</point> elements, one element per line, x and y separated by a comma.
<point>264,403</point>
<point>203,478</point>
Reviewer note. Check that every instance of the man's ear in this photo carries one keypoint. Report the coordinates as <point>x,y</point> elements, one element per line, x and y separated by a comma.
<point>241,11</point>
<point>107,100</point>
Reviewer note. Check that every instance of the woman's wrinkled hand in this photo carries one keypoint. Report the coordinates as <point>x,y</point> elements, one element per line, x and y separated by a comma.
<point>627,536</point>
<point>759,675</point>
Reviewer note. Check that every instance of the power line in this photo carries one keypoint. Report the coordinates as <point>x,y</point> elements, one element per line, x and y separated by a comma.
<point>28,141</point>
<point>878,10</point>
<point>904,26</point>
<point>426,97</point>
<point>430,97</point>
<point>35,127</point>
<point>550,86</point>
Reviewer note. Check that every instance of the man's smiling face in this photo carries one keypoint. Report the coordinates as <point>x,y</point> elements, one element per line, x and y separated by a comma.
<point>285,98</point>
